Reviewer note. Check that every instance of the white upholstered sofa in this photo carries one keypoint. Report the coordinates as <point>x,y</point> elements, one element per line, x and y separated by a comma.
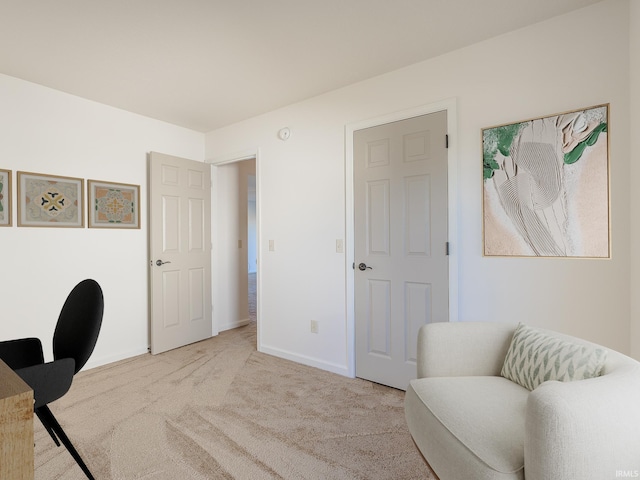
<point>472,423</point>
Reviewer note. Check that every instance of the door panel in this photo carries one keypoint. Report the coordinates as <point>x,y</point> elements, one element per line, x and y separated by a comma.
<point>417,312</point>
<point>196,294</point>
<point>400,215</point>
<point>170,298</point>
<point>417,226</point>
<point>379,317</point>
<point>170,224</point>
<point>196,225</point>
<point>180,238</point>
<point>378,234</point>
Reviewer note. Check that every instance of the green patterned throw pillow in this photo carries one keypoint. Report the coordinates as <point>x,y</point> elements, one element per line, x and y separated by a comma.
<point>535,357</point>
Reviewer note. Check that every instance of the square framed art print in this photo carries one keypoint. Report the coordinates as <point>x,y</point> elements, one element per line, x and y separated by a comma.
<point>50,200</point>
<point>113,205</point>
<point>546,186</point>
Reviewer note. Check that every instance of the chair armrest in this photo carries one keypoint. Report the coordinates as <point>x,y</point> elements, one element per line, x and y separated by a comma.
<point>587,429</point>
<point>463,348</point>
<point>49,381</point>
<point>21,353</point>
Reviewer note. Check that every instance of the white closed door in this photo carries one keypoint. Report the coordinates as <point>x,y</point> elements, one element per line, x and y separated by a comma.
<point>401,262</point>
<point>180,251</point>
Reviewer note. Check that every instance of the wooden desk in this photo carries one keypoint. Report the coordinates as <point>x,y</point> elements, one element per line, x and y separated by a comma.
<point>16,426</point>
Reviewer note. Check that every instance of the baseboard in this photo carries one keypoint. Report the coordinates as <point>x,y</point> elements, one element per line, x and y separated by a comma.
<point>100,361</point>
<point>236,324</point>
<point>305,360</point>
<point>276,352</point>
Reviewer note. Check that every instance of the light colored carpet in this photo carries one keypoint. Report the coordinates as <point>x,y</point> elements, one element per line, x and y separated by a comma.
<point>219,409</point>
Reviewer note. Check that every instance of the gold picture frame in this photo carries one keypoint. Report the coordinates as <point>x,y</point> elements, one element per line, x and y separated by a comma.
<point>6,204</point>
<point>50,200</point>
<point>113,205</point>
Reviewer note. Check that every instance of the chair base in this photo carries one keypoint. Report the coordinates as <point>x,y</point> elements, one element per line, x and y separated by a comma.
<point>57,434</point>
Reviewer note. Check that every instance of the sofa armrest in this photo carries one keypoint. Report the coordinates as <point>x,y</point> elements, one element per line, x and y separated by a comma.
<point>587,429</point>
<point>463,348</point>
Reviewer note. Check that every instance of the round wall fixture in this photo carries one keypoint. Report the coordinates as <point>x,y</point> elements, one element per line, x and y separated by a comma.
<point>284,134</point>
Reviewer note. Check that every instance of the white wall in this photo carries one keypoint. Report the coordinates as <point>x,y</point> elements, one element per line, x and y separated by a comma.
<point>47,131</point>
<point>528,73</point>
<point>634,157</point>
<point>574,61</point>
<point>230,258</point>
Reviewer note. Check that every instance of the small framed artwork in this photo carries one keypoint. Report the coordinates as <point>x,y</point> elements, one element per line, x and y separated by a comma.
<point>113,205</point>
<point>546,186</point>
<point>5,198</point>
<point>50,200</point>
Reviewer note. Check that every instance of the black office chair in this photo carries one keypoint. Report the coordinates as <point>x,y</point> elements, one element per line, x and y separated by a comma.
<point>74,338</point>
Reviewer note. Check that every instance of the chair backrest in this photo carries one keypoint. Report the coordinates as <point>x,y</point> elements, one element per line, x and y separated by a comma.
<point>79,323</point>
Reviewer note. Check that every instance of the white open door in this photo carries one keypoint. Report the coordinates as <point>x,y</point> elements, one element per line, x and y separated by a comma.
<point>180,251</point>
<point>400,251</point>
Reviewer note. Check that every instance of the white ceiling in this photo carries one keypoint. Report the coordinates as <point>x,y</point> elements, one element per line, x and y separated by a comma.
<point>204,64</point>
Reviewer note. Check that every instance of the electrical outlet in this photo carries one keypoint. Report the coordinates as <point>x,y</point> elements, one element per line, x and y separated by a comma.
<point>314,326</point>
<point>339,246</point>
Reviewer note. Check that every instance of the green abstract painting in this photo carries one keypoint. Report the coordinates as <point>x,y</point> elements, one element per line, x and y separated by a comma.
<point>546,186</point>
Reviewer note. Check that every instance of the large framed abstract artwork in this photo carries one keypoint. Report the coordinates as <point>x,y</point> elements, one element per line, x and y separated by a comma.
<point>113,205</point>
<point>5,198</point>
<point>50,201</point>
<point>546,186</point>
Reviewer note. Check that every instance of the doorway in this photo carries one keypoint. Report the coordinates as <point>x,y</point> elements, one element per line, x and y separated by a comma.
<point>234,241</point>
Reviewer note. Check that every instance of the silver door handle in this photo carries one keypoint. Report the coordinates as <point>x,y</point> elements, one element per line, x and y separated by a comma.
<point>160,263</point>
<point>363,267</point>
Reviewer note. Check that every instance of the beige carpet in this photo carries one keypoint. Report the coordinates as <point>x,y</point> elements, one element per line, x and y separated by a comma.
<point>219,409</point>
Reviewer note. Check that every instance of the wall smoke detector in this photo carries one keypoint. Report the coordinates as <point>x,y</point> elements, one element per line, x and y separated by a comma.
<point>284,134</point>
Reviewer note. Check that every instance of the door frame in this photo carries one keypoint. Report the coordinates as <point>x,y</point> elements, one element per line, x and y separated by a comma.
<point>249,154</point>
<point>450,106</point>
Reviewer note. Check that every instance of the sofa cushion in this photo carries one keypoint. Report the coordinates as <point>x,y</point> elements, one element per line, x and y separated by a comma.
<point>486,415</point>
<point>535,356</point>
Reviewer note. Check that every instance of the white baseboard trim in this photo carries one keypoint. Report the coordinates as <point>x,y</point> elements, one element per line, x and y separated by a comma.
<point>276,352</point>
<point>236,324</point>
<point>98,362</point>
<point>305,360</point>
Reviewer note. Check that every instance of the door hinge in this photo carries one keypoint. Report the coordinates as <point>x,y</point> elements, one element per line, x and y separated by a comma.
<point>447,248</point>
<point>446,141</point>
